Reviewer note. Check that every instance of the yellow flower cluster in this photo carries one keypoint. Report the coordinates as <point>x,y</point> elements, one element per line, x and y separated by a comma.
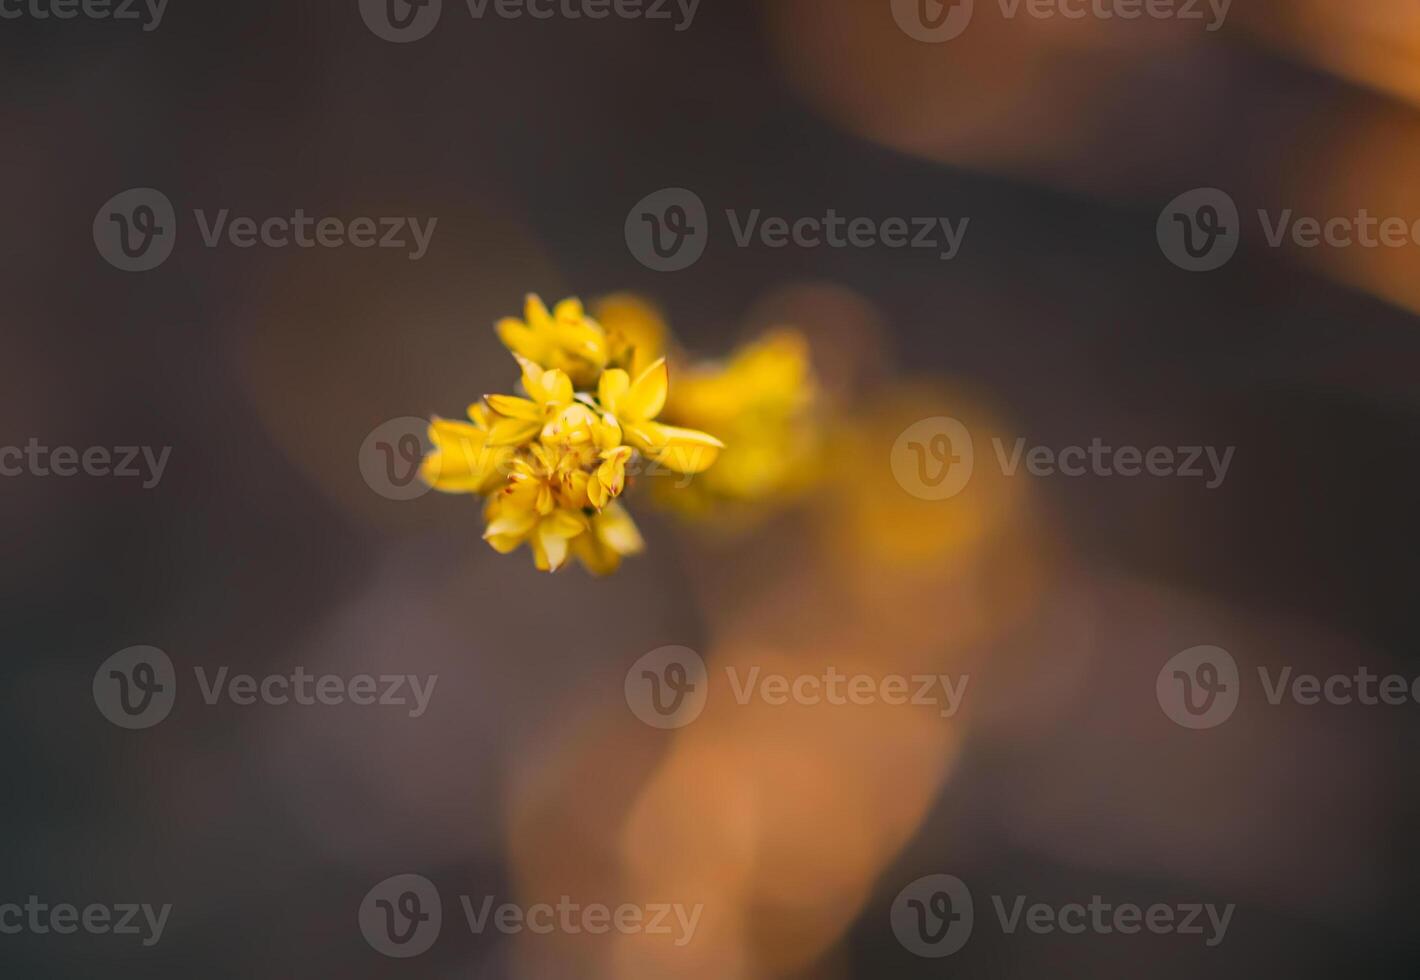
<point>553,461</point>
<point>763,401</point>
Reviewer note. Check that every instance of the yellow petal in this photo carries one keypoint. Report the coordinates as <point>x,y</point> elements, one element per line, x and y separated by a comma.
<point>682,450</point>
<point>521,340</point>
<point>519,496</point>
<point>583,339</point>
<point>535,312</point>
<point>572,425</point>
<point>643,436</point>
<point>688,459</point>
<point>595,556</point>
<point>607,432</point>
<point>575,489</point>
<point>504,543</point>
<point>554,388</point>
<point>448,432</point>
<point>569,310</point>
<point>551,550</point>
<point>612,472</point>
<point>613,385</point>
<point>461,462</point>
<point>512,432</point>
<point>532,371</point>
<point>615,528</point>
<point>516,524</point>
<point>513,407</point>
<point>564,523</point>
<point>479,415</point>
<point>647,395</point>
<point>635,328</point>
<point>434,473</point>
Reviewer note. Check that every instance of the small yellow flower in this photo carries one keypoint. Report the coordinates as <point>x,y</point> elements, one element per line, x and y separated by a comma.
<point>634,406</point>
<point>553,460</point>
<point>512,521</point>
<point>611,536</point>
<point>462,461</point>
<point>520,419</point>
<point>565,339</point>
<point>553,507</point>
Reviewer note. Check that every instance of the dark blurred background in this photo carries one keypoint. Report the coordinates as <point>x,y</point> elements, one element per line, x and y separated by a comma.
<point>262,548</point>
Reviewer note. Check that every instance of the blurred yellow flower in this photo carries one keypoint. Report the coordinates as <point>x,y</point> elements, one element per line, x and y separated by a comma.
<point>636,331</point>
<point>762,403</point>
